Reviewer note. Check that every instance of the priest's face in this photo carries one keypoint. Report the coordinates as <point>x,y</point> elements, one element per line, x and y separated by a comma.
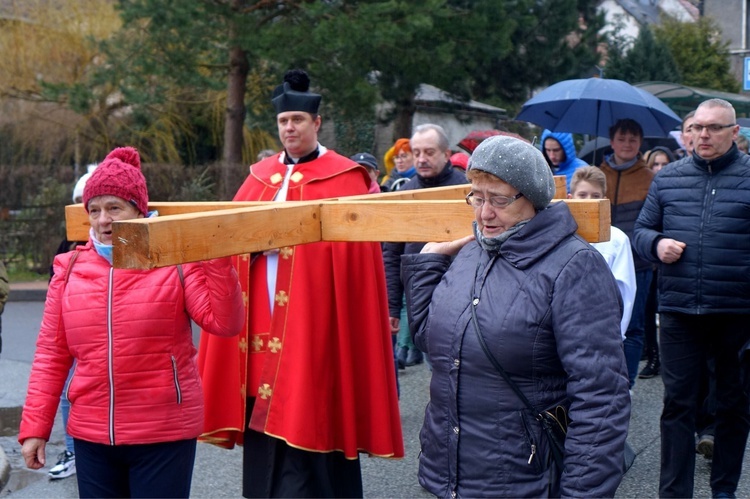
<point>298,131</point>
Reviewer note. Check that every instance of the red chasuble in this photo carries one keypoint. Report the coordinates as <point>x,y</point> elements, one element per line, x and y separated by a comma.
<point>321,367</point>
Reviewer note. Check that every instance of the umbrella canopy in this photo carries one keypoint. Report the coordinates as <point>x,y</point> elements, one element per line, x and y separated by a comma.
<point>474,138</point>
<point>593,105</point>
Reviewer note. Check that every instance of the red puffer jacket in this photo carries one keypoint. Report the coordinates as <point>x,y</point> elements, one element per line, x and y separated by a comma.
<point>136,379</point>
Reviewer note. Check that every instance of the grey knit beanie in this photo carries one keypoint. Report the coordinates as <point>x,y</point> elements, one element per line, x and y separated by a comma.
<point>517,163</point>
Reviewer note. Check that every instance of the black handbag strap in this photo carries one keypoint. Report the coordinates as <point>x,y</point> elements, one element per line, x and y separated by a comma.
<point>495,363</point>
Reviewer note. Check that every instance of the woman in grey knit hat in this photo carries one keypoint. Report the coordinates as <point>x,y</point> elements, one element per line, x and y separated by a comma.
<point>528,296</point>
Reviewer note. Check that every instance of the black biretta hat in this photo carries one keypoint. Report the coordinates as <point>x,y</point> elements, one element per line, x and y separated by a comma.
<point>294,94</point>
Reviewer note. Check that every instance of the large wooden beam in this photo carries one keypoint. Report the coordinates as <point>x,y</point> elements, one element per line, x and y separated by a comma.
<point>169,240</point>
<point>77,222</point>
<point>435,220</point>
<point>561,187</point>
<point>146,243</point>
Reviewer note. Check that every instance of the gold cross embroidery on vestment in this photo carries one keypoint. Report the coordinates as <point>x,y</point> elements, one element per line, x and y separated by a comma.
<point>265,391</point>
<point>274,345</point>
<point>281,298</point>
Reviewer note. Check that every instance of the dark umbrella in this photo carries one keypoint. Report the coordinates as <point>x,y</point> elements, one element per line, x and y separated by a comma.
<point>591,106</point>
<point>476,137</point>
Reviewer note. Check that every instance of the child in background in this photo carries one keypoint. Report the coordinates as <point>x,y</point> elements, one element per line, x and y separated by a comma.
<point>589,182</point>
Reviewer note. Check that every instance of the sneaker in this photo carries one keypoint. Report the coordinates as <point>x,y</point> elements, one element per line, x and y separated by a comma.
<point>728,495</point>
<point>651,370</point>
<point>706,446</point>
<point>65,467</point>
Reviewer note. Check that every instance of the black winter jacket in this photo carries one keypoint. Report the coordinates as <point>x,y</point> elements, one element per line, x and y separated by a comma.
<point>392,251</point>
<point>705,204</point>
<point>549,311</point>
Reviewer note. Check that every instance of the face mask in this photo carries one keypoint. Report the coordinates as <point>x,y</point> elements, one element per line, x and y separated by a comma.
<point>104,250</point>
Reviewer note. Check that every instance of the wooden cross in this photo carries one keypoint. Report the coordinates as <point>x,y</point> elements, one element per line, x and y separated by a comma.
<point>189,232</point>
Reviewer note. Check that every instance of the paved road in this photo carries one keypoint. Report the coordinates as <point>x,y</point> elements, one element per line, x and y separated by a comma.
<point>217,471</point>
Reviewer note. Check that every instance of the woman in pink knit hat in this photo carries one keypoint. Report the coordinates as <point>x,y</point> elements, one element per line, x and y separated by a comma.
<point>135,394</point>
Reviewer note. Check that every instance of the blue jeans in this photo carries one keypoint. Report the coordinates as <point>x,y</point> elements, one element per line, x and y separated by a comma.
<point>634,335</point>
<point>404,334</point>
<point>65,410</point>
<point>687,341</point>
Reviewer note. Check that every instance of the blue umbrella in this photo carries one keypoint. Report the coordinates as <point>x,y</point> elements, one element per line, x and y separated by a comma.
<point>593,105</point>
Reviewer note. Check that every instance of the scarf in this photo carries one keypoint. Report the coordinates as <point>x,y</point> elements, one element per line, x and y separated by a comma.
<point>610,159</point>
<point>493,244</point>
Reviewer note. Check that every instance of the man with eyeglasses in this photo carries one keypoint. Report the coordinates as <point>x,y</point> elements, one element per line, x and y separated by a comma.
<point>695,225</point>
<point>431,150</point>
<point>628,180</point>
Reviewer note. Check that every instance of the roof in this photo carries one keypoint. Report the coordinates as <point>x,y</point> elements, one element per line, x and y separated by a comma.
<point>643,12</point>
<point>683,99</point>
<point>432,97</point>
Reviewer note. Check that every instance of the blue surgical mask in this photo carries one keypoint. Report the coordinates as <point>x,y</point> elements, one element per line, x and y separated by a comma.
<point>104,250</point>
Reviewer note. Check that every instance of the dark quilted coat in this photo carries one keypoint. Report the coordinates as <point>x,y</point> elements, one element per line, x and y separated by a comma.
<point>705,204</point>
<point>550,313</point>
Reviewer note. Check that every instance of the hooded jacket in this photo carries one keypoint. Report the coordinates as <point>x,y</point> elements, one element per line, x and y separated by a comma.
<point>626,191</point>
<point>549,310</point>
<point>136,378</point>
<point>705,204</point>
<point>571,163</point>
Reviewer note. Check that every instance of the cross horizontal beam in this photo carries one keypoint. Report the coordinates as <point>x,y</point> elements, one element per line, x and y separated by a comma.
<point>77,222</point>
<point>187,232</point>
<point>157,242</point>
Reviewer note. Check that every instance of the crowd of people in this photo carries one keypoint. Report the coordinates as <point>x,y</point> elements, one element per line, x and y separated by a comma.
<point>533,336</point>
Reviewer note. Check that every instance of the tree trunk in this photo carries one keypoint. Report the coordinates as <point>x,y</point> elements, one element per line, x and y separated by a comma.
<point>402,123</point>
<point>235,117</point>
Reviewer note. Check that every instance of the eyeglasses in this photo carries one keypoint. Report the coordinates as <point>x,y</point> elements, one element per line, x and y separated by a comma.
<point>495,201</point>
<point>402,156</point>
<point>695,128</point>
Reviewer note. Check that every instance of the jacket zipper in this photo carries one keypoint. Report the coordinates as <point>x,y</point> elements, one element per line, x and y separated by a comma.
<point>70,381</point>
<point>110,364</point>
<point>614,203</point>
<point>709,192</point>
<point>176,380</point>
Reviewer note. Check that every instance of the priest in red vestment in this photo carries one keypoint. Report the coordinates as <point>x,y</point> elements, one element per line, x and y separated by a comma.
<point>309,383</point>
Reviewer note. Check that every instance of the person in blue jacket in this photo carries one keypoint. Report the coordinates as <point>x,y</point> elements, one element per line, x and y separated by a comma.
<point>560,152</point>
<point>695,225</point>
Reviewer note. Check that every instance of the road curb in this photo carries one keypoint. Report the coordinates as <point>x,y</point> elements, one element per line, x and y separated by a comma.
<point>27,294</point>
